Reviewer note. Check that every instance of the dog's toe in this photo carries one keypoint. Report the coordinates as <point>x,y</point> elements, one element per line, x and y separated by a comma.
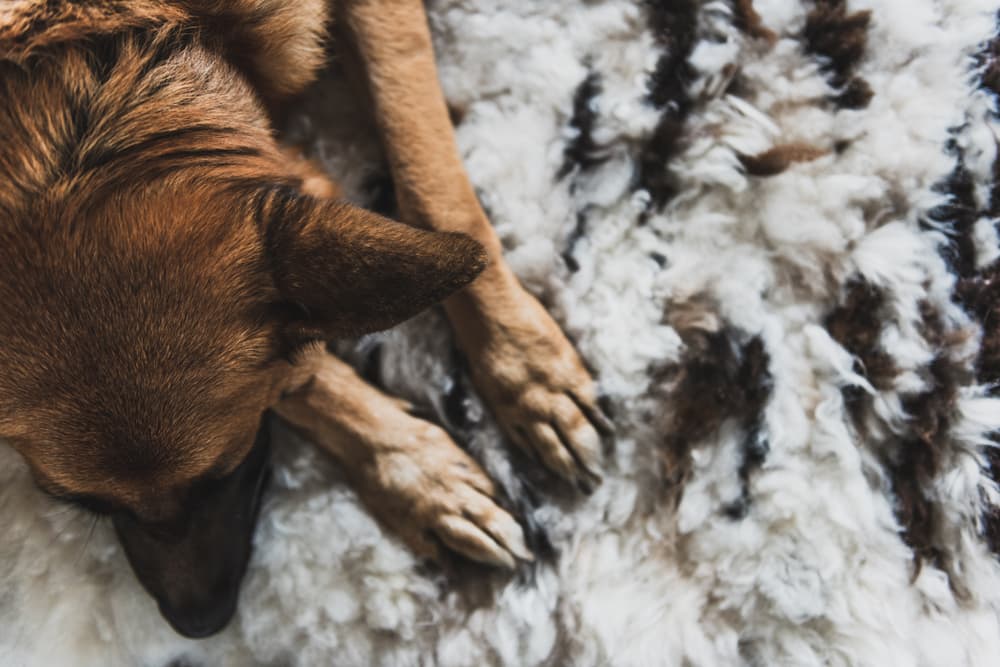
<point>465,537</point>
<point>471,523</point>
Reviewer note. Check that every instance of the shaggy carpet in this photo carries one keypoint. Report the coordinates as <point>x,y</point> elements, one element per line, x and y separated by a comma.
<point>770,227</point>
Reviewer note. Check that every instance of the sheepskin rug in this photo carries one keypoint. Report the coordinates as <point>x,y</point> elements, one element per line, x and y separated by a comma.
<point>770,227</point>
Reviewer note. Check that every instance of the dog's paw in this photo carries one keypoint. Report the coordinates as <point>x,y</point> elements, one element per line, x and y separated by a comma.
<point>537,386</point>
<point>408,472</point>
<point>431,493</point>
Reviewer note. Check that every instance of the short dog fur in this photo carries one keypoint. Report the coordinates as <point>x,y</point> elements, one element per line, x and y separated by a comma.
<point>166,268</point>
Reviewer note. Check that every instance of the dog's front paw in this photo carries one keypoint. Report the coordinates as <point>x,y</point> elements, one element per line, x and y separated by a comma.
<point>537,386</point>
<point>407,471</point>
<point>431,493</point>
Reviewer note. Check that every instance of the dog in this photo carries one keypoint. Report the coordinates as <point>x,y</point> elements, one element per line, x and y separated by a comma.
<point>169,273</point>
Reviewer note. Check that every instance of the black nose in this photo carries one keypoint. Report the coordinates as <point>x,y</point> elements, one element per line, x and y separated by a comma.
<point>197,622</point>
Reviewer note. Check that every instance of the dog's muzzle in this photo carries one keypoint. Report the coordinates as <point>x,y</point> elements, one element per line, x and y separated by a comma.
<point>194,569</point>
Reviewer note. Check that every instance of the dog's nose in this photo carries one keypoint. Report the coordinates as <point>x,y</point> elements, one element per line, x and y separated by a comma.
<point>197,622</point>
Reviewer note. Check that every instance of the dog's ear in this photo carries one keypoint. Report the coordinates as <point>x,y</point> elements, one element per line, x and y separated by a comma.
<point>347,271</point>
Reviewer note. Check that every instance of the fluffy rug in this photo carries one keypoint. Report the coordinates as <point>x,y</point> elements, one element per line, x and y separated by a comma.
<point>770,227</point>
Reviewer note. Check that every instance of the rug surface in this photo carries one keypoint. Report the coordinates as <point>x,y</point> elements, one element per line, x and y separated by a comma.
<point>770,227</point>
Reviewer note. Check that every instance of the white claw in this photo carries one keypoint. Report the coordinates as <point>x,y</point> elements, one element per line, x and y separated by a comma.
<point>509,534</point>
<point>461,536</point>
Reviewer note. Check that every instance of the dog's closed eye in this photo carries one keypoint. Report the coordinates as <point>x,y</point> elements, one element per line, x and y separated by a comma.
<point>91,504</point>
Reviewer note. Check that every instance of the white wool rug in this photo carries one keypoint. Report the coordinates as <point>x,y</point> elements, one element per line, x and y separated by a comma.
<point>772,234</point>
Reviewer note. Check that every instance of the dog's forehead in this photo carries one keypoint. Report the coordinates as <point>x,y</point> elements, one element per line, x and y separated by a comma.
<point>172,427</point>
<point>137,470</point>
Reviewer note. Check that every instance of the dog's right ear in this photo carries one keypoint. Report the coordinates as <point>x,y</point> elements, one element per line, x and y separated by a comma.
<point>349,271</point>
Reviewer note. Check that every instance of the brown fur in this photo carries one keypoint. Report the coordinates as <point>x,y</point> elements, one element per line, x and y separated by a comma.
<point>163,259</point>
<point>154,168</point>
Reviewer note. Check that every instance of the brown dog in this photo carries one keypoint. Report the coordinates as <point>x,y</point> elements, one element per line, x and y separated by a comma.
<point>164,266</point>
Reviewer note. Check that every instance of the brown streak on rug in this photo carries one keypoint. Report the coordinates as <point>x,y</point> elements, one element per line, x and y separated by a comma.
<point>748,20</point>
<point>777,159</point>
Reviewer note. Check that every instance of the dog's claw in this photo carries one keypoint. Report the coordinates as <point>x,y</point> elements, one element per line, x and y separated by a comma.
<point>507,532</point>
<point>497,538</point>
<point>464,537</point>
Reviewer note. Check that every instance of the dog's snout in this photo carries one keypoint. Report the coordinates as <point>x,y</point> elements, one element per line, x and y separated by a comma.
<point>200,620</point>
<point>194,572</point>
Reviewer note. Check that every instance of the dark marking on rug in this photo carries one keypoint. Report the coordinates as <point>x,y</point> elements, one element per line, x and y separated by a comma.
<point>674,24</point>
<point>920,456</point>
<point>578,232</point>
<point>748,20</point>
<point>977,288</point>
<point>988,61</point>
<point>913,456</point>
<point>991,513</point>
<point>958,214</point>
<point>840,146</point>
<point>371,365</point>
<point>756,382</point>
<point>739,86</point>
<point>456,114</point>
<point>856,323</point>
<point>582,152</point>
<point>723,375</point>
<point>839,38</point>
<point>675,27</point>
<point>980,295</point>
<point>777,159</point>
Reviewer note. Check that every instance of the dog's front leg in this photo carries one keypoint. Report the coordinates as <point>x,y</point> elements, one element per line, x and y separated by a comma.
<point>521,362</point>
<point>407,471</point>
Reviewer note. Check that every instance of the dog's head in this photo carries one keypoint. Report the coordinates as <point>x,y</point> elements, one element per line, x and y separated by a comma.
<point>143,340</point>
<point>158,271</point>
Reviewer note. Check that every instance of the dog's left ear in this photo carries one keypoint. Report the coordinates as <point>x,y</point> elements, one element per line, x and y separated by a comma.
<point>349,271</point>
